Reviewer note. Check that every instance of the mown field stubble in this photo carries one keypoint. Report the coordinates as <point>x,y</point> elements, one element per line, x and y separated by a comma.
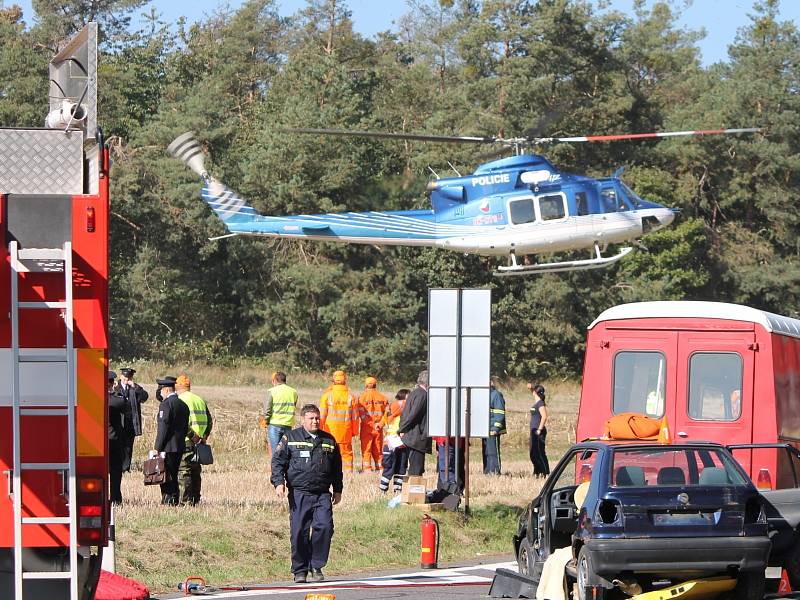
<point>239,532</point>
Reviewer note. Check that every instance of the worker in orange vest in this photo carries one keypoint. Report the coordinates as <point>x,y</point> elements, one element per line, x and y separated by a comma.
<point>341,415</point>
<point>374,406</point>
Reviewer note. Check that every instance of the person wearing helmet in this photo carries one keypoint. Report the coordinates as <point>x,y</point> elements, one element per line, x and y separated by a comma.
<point>372,406</point>
<point>341,416</point>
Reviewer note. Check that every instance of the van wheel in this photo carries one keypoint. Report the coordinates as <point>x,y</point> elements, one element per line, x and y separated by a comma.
<point>586,574</point>
<point>749,585</point>
<point>526,558</point>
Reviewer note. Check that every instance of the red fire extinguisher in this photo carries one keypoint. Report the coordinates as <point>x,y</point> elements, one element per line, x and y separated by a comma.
<point>429,534</point>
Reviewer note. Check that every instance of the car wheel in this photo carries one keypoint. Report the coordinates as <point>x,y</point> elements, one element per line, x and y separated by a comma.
<point>586,574</point>
<point>526,558</point>
<point>749,585</point>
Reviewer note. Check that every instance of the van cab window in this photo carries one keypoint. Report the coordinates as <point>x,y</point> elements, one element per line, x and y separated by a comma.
<point>640,382</point>
<point>552,207</point>
<point>521,211</point>
<point>715,384</point>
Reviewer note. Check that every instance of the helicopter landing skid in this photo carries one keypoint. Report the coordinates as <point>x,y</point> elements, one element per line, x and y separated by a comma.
<point>599,261</point>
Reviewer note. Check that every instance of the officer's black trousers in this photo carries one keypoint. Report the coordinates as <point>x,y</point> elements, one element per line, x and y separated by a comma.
<point>311,521</point>
<point>169,489</point>
<point>116,455</point>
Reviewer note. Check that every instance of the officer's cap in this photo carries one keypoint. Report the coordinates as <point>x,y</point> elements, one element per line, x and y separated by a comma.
<point>128,372</point>
<point>112,376</point>
<point>168,381</point>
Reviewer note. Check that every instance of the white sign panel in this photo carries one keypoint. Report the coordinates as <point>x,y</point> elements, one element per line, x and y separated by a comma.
<point>476,312</point>
<point>443,312</point>
<point>479,412</point>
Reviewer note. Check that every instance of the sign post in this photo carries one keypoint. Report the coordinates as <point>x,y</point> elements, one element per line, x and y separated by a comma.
<point>459,363</point>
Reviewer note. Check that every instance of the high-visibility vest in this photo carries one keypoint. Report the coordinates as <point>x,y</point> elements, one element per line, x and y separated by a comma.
<point>198,418</point>
<point>340,413</point>
<point>374,404</point>
<point>284,402</point>
<point>391,419</point>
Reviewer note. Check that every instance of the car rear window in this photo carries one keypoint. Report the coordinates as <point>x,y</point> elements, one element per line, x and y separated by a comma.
<point>673,466</point>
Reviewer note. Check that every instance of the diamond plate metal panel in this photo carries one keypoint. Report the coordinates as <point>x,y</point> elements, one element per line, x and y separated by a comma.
<point>41,161</point>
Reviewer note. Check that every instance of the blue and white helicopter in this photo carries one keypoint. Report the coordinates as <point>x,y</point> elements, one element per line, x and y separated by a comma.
<point>514,207</point>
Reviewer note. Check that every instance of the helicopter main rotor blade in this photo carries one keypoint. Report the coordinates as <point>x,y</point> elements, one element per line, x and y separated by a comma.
<point>639,136</point>
<point>396,136</point>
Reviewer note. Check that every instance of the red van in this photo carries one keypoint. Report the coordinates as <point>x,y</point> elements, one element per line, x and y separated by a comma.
<point>719,372</point>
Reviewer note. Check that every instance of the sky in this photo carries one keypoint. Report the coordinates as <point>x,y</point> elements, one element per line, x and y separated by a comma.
<point>720,18</point>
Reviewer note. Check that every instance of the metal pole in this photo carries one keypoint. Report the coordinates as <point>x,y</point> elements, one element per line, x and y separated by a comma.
<point>458,383</point>
<point>447,425</point>
<point>466,452</point>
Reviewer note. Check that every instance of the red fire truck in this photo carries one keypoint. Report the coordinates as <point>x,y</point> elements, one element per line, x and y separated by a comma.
<point>54,338</point>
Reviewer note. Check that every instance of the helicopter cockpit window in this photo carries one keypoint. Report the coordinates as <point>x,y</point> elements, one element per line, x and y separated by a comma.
<point>581,204</point>
<point>632,197</point>
<point>552,207</point>
<point>608,199</point>
<point>521,211</point>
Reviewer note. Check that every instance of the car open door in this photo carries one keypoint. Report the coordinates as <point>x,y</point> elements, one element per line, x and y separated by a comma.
<point>779,484</point>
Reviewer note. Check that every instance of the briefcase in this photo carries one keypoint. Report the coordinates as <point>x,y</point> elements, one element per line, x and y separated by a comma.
<point>154,471</point>
<point>203,454</point>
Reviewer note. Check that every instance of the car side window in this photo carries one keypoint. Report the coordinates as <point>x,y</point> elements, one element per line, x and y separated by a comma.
<point>577,469</point>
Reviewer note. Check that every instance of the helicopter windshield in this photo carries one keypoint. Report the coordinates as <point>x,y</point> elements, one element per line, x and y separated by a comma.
<point>632,197</point>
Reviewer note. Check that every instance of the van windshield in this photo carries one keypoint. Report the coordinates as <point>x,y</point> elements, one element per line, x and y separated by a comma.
<point>640,382</point>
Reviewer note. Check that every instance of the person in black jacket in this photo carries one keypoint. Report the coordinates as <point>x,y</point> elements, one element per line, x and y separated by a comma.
<point>116,438</point>
<point>308,461</point>
<point>134,396</point>
<point>414,426</point>
<point>173,424</point>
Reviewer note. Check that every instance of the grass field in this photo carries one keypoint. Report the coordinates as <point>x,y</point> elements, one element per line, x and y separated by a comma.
<point>239,532</point>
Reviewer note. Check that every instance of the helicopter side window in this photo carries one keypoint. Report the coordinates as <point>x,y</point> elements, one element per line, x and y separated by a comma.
<point>609,201</point>
<point>521,211</point>
<point>552,207</point>
<point>581,204</point>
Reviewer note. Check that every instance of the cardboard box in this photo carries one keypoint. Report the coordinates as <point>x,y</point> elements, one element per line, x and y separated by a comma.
<point>413,490</point>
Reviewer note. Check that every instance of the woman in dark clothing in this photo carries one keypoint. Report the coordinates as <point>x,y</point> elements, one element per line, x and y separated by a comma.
<point>538,431</point>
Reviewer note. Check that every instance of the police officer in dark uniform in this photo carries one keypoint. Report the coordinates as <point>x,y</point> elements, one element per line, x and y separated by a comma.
<point>173,424</point>
<point>116,438</point>
<point>307,460</point>
<point>134,396</point>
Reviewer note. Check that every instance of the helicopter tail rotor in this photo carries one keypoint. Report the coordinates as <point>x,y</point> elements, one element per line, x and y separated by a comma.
<point>187,149</point>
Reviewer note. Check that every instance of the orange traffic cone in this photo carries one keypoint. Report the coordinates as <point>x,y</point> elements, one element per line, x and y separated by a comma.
<point>664,436</point>
<point>784,587</point>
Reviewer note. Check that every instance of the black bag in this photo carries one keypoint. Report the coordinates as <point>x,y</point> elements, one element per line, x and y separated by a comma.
<point>154,470</point>
<point>203,454</point>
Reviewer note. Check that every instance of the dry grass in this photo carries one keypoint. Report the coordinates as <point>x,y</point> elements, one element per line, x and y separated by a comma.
<point>240,530</point>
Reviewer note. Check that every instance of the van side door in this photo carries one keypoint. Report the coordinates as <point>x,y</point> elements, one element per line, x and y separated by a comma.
<point>715,376</point>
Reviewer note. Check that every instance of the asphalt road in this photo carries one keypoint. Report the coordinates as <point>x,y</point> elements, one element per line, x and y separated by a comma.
<point>468,579</point>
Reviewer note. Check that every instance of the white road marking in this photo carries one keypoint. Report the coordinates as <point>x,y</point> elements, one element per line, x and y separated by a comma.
<point>455,575</point>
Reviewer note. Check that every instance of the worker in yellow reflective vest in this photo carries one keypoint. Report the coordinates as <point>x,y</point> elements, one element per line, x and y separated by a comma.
<point>279,408</point>
<point>200,422</point>
<point>374,406</point>
<point>341,415</point>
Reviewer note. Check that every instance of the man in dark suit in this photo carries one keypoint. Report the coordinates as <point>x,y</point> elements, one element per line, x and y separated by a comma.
<point>414,426</point>
<point>173,425</point>
<point>116,438</point>
<point>134,396</point>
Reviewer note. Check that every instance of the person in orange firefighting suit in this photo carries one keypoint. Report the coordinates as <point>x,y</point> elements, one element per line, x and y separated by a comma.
<point>374,405</point>
<point>341,415</point>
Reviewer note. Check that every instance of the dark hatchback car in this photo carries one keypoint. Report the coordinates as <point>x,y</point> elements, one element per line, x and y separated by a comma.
<point>653,515</point>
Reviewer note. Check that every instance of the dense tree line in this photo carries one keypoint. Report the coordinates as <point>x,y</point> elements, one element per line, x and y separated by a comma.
<point>451,67</point>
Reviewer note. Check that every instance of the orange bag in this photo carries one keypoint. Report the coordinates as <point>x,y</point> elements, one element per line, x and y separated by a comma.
<point>632,426</point>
